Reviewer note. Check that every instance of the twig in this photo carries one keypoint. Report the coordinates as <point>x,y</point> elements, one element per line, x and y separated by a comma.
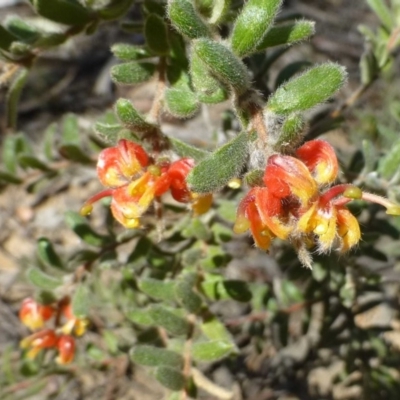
<point>155,111</point>
<point>210,387</point>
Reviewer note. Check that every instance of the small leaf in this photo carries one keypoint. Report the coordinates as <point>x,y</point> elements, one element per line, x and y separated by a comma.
<point>152,356</point>
<point>368,67</point>
<point>389,163</point>
<point>130,117</point>
<point>185,19</point>
<point>237,290</point>
<point>70,133</point>
<point>81,301</point>
<point>307,90</point>
<point>48,141</point>
<point>287,34</point>
<point>168,320</point>
<point>220,167</point>
<point>292,131</point>
<point>6,38</point>
<point>212,351</point>
<point>155,32</point>
<point>9,178</point>
<point>181,103</point>
<point>290,70</point>
<point>41,280</point>
<point>220,9</point>
<point>108,132</point>
<point>370,156</point>
<point>223,64</point>
<point>47,254</point>
<point>383,13</point>
<point>13,95</point>
<point>21,29</point>
<point>158,289</point>
<point>28,161</point>
<point>215,329</point>
<point>186,150</point>
<point>186,296</point>
<point>252,25</point>
<point>140,317</point>
<point>74,153</point>
<point>132,73</point>
<point>115,9</point>
<point>129,52</point>
<point>170,378</point>
<point>80,226</point>
<point>208,89</point>
<point>197,229</point>
<point>69,12</point>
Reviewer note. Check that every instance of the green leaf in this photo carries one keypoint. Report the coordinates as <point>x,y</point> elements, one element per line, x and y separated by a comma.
<point>115,9</point>
<point>290,293</point>
<point>80,226</point>
<point>170,378</point>
<point>132,73</point>
<point>9,178</point>
<point>6,38</point>
<point>168,320</point>
<point>237,290</point>
<point>131,118</point>
<point>9,153</point>
<point>158,289</point>
<point>212,351</point>
<point>81,301</point>
<point>196,229</point>
<point>290,70</point>
<point>369,68</point>
<point>155,32</point>
<point>383,12</point>
<point>108,132</point>
<point>28,161</point>
<point>181,103</point>
<point>129,52</point>
<point>214,329</point>
<point>152,356</point>
<point>389,164</point>
<point>70,129</point>
<point>140,317</point>
<point>13,95</point>
<point>252,25</point>
<point>47,254</point>
<point>41,280</point>
<point>208,89</point>
<point>287,34</point>
<point>48,141</point>
<point>292,132</point>
<point>186,150</point>
<point>74,153</point>
<point>223,64</point>
<point>220,167</point>
<point>187,297</point>
<point>307,90</point>
<point>21,29</point>
<point>186,20</point>
<point>69,12</point>
<point>370,156</point>
<point>220,9</point>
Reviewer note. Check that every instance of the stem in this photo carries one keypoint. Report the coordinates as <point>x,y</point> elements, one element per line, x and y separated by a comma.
<point>156,108</point>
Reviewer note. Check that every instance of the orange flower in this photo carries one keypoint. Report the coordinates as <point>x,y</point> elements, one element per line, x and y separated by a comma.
<point>44,339</point>
<point>133,183</point>
<point>66,349</point>
<point>294,206</point>
<point>34,315</point>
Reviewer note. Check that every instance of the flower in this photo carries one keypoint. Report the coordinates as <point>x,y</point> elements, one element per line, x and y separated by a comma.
<point>75,325</point>
<point>66,349</point>
<point>133,183</point>
<point>297,204</point>
<point>34,315</point>
<point>44,339</point>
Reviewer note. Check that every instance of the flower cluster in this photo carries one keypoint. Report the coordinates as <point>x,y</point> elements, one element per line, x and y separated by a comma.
<point>296,203</point>
<point>61,338</point>
<point>133,182</point>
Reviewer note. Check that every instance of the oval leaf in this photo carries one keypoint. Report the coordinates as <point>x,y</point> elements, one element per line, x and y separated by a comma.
<point>152,356</point>
<point>307,90</point>
<point>220,167</point>
<point>81,301</point>
<point>41,280</point>
<point>212,351</point>
<point>170,378</point>
<point>132,73</point>
<point>252,25</point>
